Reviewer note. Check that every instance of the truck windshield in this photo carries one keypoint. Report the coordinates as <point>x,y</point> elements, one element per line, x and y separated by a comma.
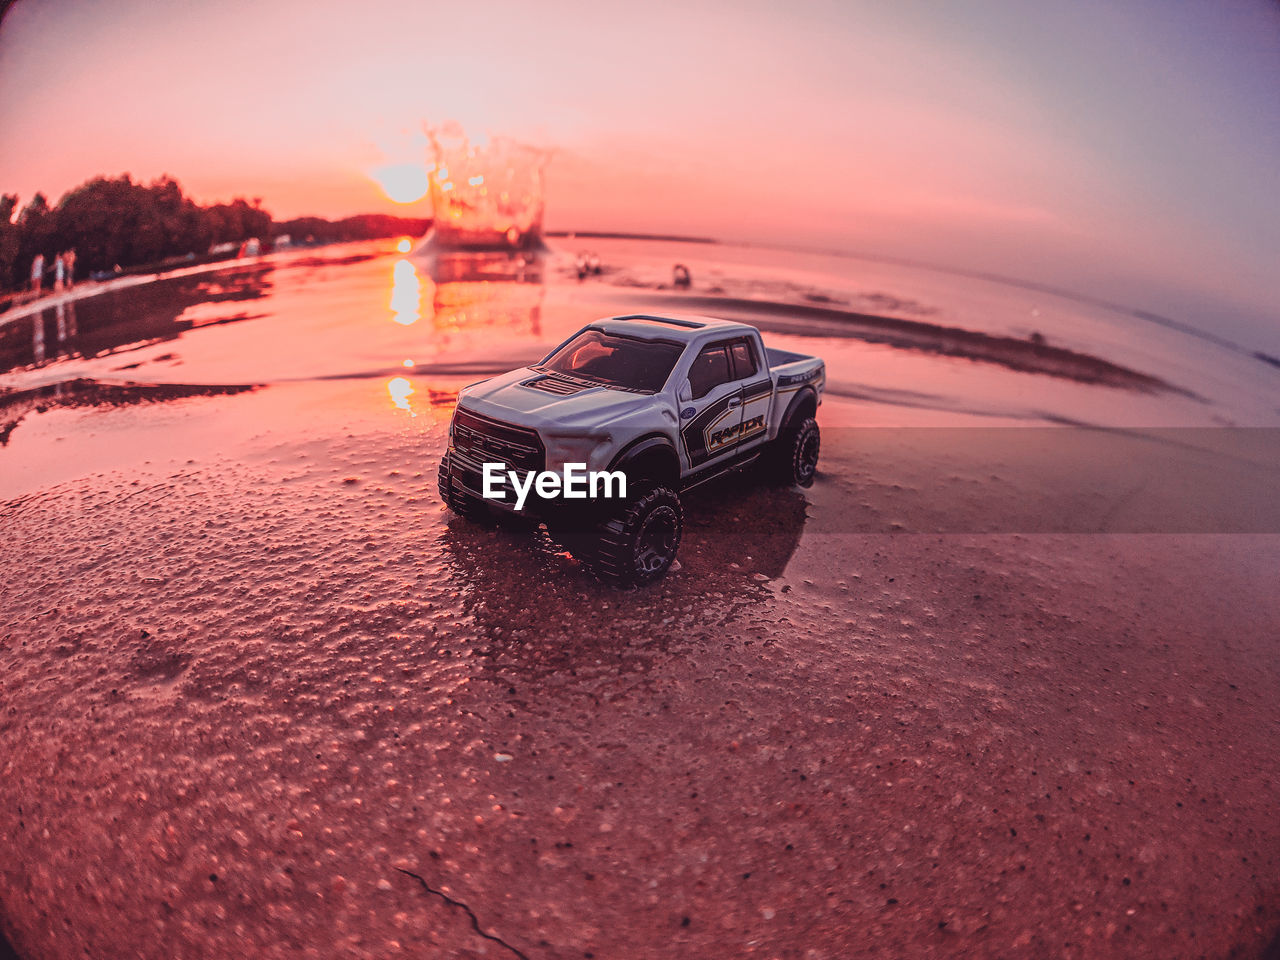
<point>615,360</point>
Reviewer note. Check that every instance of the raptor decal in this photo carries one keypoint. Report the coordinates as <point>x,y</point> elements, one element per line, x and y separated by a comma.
<point>696,434</point>
<point>735,433</point>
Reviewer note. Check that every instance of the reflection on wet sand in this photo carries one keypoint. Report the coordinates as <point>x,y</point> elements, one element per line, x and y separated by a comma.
<point>65,326</point>
<point>507,307</point>
<point>487,290</point>
<point>119,321</point>
<point>742,520</point>
<point>406,294</point>
<point>478,266</point>
<point>538,614</point>
<point>80,392</point>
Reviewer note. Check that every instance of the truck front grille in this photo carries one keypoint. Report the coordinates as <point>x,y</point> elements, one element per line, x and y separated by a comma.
<point>484,440</point>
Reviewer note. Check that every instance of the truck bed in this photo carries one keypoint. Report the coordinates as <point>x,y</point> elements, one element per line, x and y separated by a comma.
<point>780,358</point>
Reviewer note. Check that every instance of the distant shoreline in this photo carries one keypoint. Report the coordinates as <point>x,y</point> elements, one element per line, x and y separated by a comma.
<point>611,235</point>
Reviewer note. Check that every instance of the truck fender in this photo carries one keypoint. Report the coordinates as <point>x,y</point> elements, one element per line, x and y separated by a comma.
<point>654,449</point>
<point>806,399</point>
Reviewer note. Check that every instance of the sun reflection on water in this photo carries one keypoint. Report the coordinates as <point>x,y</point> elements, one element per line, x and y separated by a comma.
<point>401,390</point>
<point>406,293</point>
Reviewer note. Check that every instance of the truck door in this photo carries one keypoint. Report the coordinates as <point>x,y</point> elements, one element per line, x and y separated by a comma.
<point>710,422</point>
<point>757,391</point>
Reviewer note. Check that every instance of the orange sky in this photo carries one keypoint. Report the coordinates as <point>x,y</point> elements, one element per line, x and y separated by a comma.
<point>1124,149</point>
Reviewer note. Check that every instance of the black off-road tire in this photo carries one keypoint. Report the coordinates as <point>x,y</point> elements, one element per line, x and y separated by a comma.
<point>795,452</point>
<point>638,543</point>
<point>460,502</point>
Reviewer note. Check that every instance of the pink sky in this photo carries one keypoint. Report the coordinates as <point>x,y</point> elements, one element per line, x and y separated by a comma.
<point>1126,150</point>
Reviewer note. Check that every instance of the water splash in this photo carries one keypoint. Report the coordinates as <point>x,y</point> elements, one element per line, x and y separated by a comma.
<point>487,197</point>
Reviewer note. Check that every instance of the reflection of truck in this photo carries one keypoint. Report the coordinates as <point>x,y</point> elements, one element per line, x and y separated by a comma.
<point>669,401</point>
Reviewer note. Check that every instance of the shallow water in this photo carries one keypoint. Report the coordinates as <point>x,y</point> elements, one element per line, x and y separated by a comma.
<point>365,311</point>
<point>1192,424</point>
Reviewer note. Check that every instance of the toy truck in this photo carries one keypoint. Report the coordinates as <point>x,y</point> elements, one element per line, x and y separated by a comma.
<point>600,438</point>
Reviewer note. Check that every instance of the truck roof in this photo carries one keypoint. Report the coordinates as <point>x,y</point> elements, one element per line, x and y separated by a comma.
<point>671,326</point>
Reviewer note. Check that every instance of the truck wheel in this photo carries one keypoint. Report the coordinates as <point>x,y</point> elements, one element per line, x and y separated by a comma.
<point>638,544</point>
<point>796,456</point>
<point>459,501</point>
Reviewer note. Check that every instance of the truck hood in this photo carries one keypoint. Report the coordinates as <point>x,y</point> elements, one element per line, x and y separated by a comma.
<point>506,398</point>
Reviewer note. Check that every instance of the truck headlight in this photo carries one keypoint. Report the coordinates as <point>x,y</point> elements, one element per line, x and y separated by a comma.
<point>574,449</point>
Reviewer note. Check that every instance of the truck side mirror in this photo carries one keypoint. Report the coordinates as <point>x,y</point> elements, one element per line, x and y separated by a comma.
<point>685,393</point>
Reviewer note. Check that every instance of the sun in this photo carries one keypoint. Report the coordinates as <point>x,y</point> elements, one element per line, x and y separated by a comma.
<point>402,182</point>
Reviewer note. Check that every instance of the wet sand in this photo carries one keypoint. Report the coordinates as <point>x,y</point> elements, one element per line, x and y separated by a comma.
<point>263,696</point>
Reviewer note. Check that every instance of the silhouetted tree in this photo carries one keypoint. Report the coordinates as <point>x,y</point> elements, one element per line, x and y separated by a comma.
<point>112,221</point>
<point>238,220</point>
<point>365,226</point>
<point>10,239</point>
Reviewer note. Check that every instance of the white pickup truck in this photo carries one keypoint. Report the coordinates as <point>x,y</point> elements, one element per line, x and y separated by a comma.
<point>668,402</point>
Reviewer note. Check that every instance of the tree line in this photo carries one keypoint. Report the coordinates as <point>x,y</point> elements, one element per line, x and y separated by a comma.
<point>114,222</point>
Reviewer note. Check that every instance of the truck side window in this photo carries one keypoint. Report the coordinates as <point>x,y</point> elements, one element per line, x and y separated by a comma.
<point>710,369</point>
<point>744,359</point>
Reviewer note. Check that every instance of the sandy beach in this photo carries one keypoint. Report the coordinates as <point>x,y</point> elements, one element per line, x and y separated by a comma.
<point>1003,683</point>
